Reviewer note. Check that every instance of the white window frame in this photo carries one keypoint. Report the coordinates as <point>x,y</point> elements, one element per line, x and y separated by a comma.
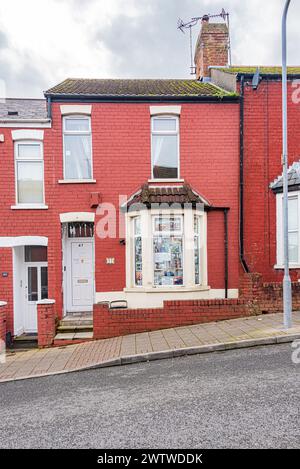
<point>165,132</point>
<point>197,236</point>
<point>179,234</point>
<point>135,236</point>
<point>279,238</point>
<point>29,160</point>
<point>147,221</point>
<point>76,132</point>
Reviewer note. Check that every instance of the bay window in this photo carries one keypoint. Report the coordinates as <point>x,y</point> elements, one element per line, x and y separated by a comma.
<point>77,147</point>
<point>29,170</point>
<point>165,147</point>
<point>166,250</point>
<point>293,229</point>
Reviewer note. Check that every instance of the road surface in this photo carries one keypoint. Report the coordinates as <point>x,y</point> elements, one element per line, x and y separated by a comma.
<point>236,399</point>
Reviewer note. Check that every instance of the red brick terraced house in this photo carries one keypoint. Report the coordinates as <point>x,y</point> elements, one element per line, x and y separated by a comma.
<point>148,198</point>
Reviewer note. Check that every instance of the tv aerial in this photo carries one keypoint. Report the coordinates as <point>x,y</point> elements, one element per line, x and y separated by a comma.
<point>182,26</point>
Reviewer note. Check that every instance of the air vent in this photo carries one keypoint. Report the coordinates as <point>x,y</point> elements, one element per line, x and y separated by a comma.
<point>13,113</point>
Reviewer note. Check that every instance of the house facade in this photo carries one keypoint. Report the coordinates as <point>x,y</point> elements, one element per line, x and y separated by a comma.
<point>72,188</point>
<point>138,192</point>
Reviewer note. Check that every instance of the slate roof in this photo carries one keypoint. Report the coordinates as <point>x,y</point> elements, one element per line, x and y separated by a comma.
<point>264,70</point>
<point>293,179</point>
<point>135,88</point>
<point>18,109</point>
<point>149,195</point>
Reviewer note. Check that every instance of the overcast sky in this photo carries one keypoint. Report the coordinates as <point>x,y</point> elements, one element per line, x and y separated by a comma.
<point>42,42</point>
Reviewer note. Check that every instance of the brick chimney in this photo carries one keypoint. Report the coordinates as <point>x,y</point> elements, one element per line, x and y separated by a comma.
<point>211,47</point>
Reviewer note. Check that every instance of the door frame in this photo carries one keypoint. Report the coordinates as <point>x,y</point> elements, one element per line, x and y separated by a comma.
<point>29,304</point>
<point>66,269</point>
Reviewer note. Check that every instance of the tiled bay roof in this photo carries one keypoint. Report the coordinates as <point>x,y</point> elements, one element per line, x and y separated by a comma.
<point>135,88</point>
<point>293,179</point>
<point>18,109</point>
<point>149,195</point>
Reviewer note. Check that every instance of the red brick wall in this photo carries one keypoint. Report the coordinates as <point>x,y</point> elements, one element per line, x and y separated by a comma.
<point>113,323</point>
<point>267,297</point>
<point>209,154</point>
<point>46,314</point>
<point>6,284</point>
<point>3,323</point>
<point>263,149</point>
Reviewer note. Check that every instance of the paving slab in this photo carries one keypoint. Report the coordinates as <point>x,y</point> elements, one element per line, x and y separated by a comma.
<point>147,346</point>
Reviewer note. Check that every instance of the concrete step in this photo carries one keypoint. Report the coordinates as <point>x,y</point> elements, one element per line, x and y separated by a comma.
<point>25,342</point>
<point>76,322</point>
<point>68,329</point>
<point>72,338</point>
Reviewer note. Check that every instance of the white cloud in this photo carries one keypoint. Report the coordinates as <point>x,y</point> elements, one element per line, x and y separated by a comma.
<point>43,42</point>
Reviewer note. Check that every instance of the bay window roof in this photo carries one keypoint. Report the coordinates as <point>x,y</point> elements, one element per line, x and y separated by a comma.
<point>177,194</point>
<point>293,179</point>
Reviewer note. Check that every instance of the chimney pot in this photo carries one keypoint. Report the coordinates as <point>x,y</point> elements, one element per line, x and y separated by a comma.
<point>205,19</point>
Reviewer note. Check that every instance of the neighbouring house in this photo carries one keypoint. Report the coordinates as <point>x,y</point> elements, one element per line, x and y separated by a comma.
<point>151,195</point>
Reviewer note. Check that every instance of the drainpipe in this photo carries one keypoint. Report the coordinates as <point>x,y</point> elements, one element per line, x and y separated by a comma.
<point>242,249</point>
<point>226,251</point>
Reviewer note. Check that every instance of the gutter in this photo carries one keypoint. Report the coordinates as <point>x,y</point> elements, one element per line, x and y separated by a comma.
<point>139,99</point>
<point>241,227</point>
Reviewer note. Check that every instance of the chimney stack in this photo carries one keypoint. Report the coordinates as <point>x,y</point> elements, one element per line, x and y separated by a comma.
<point>211,47</point>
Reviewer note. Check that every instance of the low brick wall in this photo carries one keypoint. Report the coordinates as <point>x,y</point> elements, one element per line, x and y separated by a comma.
<point>3,320</point>
<point>113,323</point>
<point>268,297</point>
<point>46,312</point>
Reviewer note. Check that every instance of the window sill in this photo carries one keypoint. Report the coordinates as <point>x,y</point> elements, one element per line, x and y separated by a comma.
<point>77,181</point>
<point>29,207</point>
<point>166,289</point>
<point>165,180</point>
<point>292,266</point>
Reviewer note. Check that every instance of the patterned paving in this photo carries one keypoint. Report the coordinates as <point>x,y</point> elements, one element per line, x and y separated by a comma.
<point>36,362</point>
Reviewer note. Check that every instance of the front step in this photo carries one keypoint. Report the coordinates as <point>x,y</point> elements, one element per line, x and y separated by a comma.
<point>74,329</point>
<point>24,342</point>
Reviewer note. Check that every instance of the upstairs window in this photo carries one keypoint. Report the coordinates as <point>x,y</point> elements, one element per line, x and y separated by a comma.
<point>29,169</point>
<point>165,147</point>
<point>77,147</point>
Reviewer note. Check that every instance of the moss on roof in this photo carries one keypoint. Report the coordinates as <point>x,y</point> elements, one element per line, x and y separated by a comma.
<point>136,88</point>
<point>276,70</point>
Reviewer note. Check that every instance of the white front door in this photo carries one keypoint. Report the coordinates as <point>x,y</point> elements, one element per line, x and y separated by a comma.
<point>80,275</point>
<point>36,289</point>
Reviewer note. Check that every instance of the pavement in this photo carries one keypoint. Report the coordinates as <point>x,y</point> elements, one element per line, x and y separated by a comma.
<point>245,398</point>
<point>167,343</point>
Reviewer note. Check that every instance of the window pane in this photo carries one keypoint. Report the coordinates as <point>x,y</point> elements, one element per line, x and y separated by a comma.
<point>44,283</point>
<point>168,260</point>
<point>293,247</point>
<point>167,224</point>
<point>197,250</point>
<point>32,284</point>
<point>35,254</point>
<point>79,125</point>
<point>78,157</point>
<point>293,214</point>
<point>165,156</point>
<point>30,151</point>
<point>30,182</point>
<point>138,252</point>
<point>164,125</point>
